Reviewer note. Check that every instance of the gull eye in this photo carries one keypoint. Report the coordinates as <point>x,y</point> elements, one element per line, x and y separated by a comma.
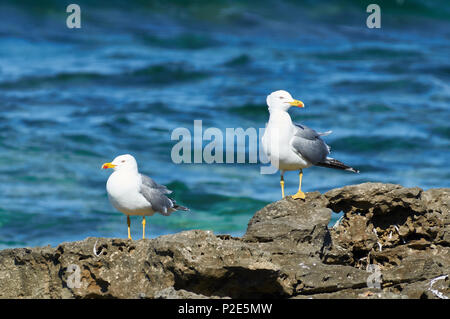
<point>123,161</point>
<point>281,97</point>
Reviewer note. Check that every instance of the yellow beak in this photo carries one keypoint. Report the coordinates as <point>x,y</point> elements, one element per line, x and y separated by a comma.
<point>297,103</point>
<point>108,165</point>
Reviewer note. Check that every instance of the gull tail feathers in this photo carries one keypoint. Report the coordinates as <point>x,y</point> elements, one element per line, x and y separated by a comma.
<point>334,163</point>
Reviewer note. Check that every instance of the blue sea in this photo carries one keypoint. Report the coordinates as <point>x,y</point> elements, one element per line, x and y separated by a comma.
<point>72,99</point>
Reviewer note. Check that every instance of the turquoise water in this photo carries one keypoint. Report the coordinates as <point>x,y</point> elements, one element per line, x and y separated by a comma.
<point>71,100</point>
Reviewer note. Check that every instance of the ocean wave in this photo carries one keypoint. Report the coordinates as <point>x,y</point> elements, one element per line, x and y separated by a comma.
<point>369,53</point>
<point>250,110</point>
<point>375,144</point>
<point>404,85</point>
<point>438,9</point>
<point>185,41</point>
<point>239,61</point>
<point>160,74</point>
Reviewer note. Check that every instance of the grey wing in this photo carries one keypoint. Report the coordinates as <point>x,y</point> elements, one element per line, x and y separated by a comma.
<point>152,184</point>
<point>308,144</point>
<point>154,193</point>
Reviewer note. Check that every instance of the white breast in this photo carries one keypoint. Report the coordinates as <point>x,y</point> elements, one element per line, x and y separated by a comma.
<point>124,195</point>
<point>276,142</point>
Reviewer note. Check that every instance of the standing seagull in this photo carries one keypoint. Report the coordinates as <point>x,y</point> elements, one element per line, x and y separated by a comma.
<point>291,146</point>
<point>133,193</point>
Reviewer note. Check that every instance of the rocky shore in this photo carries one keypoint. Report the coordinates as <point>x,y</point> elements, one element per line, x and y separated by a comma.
<point>392,242</point>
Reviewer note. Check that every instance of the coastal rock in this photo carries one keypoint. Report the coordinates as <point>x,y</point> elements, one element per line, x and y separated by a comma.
<point>392,242</point>
<point>301,226</point>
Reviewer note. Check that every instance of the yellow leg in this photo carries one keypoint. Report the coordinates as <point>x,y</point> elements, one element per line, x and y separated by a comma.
<point>282,186</point>
<point>128,222</point>
<point>300,194</point>
<point>143,227</point>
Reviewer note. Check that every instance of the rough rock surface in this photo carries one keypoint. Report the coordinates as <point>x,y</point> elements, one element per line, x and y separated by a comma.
<point>392,242</point>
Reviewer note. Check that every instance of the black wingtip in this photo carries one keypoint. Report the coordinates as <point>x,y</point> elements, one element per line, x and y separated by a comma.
<point>179,207</point>
<point>354,170</point>
<point>334,163</point>
<point>182,208</point>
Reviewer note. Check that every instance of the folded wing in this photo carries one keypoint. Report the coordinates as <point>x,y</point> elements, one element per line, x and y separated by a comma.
<point>308,143</point>
<point>155,194</point>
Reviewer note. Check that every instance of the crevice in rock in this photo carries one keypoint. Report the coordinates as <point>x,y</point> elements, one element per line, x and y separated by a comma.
<point>236,282</point>
<point>327,289</point>
<point>395,216</point>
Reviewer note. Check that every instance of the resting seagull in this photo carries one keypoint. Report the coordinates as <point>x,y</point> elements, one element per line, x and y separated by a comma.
<point>291,146</point>
<point>133,193</point>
